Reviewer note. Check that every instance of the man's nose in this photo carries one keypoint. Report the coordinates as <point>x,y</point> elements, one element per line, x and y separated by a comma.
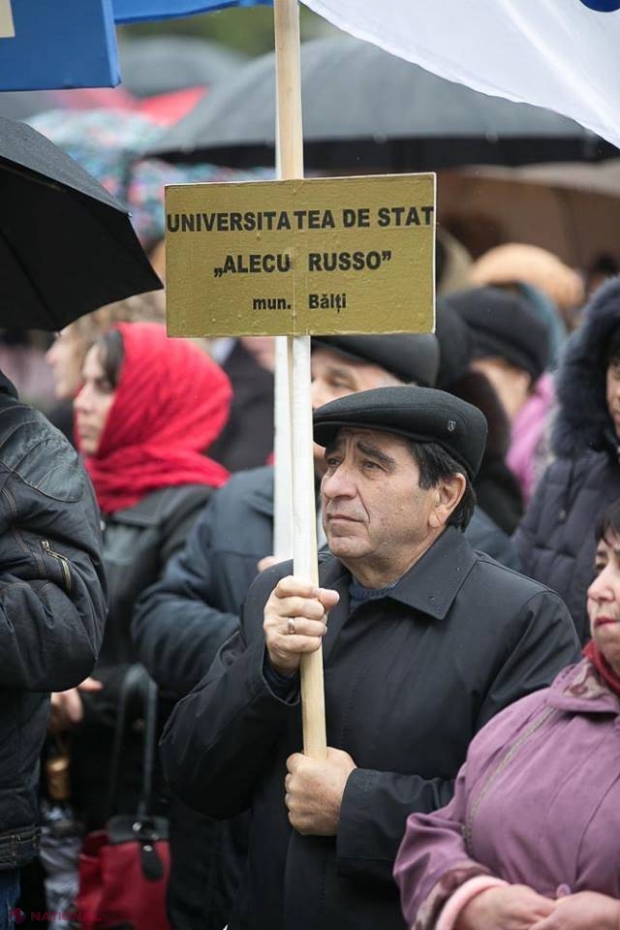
<point>339,483</point>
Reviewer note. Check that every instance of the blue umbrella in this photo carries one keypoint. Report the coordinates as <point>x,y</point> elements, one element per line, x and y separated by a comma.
<point>131,11</point>
<point>59,44</point>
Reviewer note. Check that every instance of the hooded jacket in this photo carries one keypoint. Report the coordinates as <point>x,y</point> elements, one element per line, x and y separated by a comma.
<point>52,602</point>
<point>555,539</point>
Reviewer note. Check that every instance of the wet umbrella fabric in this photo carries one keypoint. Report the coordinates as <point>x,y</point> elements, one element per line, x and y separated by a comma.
<point>365,108</point>
<point>162,64</point>
<point>576,210</point>
<point>66,246</point>
<point>110,144</point>
<point>26,104</point>
<point>104,142</point>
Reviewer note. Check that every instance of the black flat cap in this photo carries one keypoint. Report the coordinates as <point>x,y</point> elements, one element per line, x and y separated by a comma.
<point>504,325</point>
<point>410,357</point>
<point>421,414</point>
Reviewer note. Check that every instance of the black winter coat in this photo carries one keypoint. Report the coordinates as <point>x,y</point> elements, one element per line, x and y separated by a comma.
<point>137,543</point>
<point>52,602</point>
<point>555,539</point>
<point>409,679</point>
<point>178,627</point>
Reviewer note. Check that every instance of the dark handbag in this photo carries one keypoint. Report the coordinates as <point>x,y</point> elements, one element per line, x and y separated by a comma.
<point>124,869</point>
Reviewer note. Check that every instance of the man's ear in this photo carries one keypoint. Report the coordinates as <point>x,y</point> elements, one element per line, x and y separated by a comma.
<point>447,496</point>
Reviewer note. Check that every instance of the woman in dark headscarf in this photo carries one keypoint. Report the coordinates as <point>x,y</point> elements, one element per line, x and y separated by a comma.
<point>148,409</point>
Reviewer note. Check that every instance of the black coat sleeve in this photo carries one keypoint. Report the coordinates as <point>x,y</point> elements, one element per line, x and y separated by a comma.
<point>374,812</point>
<point>101,707</point>
<point>177,628</point>
<point>220,737</point>
<point>52,587</point>
<point>376,804</point>
<point>526,534</point>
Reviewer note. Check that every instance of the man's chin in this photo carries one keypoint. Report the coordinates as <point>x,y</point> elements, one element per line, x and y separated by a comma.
<point>345,547</point>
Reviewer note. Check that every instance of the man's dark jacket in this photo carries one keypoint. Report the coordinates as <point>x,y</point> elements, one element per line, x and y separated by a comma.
<point>555,540</point>
<point>52,602</point>
<point>409,679</point>
<point>178,627</point>
<point>181,622</point>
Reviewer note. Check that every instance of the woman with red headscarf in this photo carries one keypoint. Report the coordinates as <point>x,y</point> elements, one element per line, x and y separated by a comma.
<point>147,412</point>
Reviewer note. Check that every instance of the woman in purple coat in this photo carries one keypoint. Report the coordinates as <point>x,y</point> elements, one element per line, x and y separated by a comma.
<point>531,839</point>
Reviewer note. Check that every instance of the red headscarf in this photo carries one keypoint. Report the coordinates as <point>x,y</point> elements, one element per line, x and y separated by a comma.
<point>600,663</point>
<point>171,403</point>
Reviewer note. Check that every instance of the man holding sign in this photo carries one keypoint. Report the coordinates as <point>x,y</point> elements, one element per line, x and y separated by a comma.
<point>426,641</point>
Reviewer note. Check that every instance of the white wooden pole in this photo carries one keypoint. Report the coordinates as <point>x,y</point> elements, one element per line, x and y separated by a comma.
<point>291,161</point>
<point>283,489</point>
<point>283,442</point>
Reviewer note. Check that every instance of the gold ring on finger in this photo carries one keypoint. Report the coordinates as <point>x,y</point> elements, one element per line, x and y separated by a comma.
<point>290,627</point>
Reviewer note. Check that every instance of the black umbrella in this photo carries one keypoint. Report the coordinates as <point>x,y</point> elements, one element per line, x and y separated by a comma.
<point>162,64</point>
<point>66,246</point>
<point>364,108</point>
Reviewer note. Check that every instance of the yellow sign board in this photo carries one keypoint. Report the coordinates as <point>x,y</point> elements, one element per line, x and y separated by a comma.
<point>306,257</point>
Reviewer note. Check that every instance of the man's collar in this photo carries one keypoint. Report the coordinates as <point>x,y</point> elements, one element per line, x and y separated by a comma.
<point>431,585</point>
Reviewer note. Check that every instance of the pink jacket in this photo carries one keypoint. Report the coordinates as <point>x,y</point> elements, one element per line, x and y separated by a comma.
<point>537,802</point>
<point>528,455</point>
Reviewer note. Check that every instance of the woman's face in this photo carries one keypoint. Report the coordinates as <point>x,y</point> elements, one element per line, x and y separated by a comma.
<point>65,357</point>
<point>92,404</point>
<point>604,600</point>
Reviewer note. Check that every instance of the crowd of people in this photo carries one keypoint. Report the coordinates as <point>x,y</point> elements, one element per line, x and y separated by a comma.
<point>468,609</point>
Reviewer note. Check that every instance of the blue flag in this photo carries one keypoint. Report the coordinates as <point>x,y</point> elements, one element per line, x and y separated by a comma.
<point>48,44</point>
<point>131,11</point>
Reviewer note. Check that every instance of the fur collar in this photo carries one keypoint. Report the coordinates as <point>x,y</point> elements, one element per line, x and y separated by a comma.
<point>582,421</point>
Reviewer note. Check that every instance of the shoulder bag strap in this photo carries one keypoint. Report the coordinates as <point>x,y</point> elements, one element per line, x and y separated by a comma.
<point>137,681</point>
